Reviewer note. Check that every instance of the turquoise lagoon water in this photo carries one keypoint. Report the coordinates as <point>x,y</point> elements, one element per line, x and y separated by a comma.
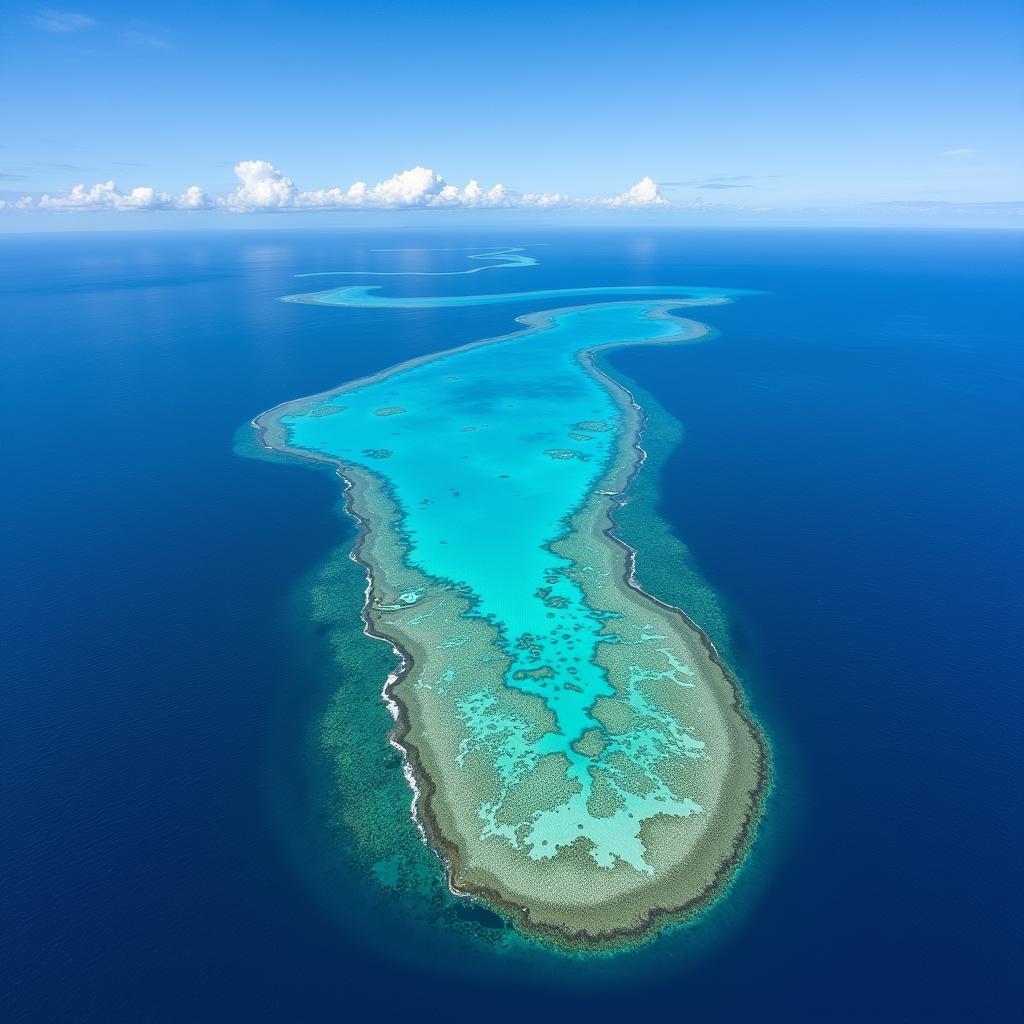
<point>488,451</point>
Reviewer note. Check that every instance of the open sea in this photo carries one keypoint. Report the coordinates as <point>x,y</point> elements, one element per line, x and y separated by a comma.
<point>176,834</point>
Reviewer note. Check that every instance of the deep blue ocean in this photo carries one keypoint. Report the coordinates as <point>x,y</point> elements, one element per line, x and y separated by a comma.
<point>851,484</point>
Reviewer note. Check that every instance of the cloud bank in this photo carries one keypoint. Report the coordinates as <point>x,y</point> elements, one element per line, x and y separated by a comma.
<point>263,188</point>
<point>106,196</point>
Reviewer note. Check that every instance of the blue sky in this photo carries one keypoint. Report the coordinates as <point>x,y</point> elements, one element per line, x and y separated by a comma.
<point>736,112</point>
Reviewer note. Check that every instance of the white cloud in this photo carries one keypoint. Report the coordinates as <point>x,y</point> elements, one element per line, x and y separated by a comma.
<point>473,195</point>
<point>331,198</point>
<point>193,198</point>
<point>418,186</point>
<point>643,194</point>
<point>106,196</point>
<point>958,152</point>
<point>262,187</point>
<point>62,21</point>
<point>544,200</point>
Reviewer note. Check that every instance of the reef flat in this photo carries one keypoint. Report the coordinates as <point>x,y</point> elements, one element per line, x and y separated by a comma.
<point>581,757</point>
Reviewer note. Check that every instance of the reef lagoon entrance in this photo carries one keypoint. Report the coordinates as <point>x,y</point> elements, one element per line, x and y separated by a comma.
<point>580,756</point>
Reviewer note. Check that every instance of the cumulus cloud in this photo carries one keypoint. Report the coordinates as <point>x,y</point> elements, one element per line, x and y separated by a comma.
<point>643,194</point>
<point>262,187</point>
<point>107,196</point>
<point>62,21</point>
<point>419,186</point>
<point>544,200</point>
<point>193,198</point>
<point>473,195</point>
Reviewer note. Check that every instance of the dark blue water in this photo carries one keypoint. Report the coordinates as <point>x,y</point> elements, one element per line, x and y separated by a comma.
<point>851,484</point>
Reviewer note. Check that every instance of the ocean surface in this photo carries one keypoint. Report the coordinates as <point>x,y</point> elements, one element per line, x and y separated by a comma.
<point>176,805</point>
